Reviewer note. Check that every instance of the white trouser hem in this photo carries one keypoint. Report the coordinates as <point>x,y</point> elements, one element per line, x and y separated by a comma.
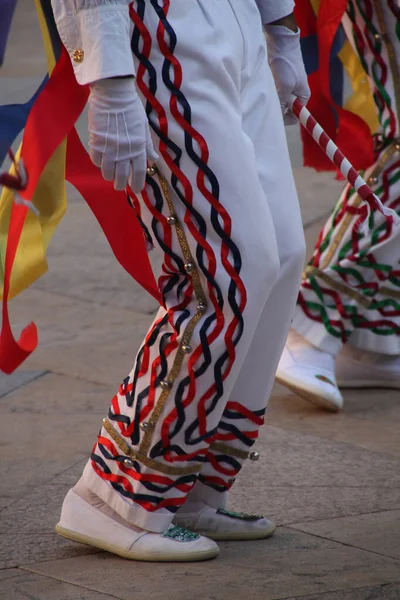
<point>316,334</point>
<point>150,521</point>
<point>381,344</point>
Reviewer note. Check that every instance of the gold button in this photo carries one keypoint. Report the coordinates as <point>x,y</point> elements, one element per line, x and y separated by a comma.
<point>151,170</point>
<point>78,55</point>
<point>165,384</point>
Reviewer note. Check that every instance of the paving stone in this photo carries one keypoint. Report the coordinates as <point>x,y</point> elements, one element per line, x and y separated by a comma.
<point>377,532</point>
<point>37,512</point>
<point>5,501</point>
<point>290,564</point>
<point>20,64</point>
<point>301,474</point>
<point>17,584</point>
<point>31,548</point>
<point>81,339</point>
<point>45,427</point>
<point>363,422</point>
<point>9,383</point>
<point>386,591</point>
<point>318,193</point>
<point>96,276</point>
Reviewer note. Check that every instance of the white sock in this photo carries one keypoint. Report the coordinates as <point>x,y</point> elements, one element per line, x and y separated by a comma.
<point>83,491</point>
<point>193,507</point>
<point>304,353</point>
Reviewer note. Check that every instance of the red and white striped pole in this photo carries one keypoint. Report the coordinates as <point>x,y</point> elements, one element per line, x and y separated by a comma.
<point>342,163</point>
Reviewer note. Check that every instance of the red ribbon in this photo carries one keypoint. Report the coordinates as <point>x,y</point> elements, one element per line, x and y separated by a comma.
<point>114,214</point>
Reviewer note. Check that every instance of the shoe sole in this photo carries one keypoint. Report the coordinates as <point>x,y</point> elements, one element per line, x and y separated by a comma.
<point>312,397</point>
<point>101,545</point>
<point>237,536</point>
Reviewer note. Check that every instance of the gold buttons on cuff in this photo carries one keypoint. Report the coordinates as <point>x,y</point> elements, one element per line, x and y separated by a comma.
<point>78,55</point>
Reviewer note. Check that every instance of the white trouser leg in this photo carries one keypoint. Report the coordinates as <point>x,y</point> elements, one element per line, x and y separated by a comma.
<point>207,210</point>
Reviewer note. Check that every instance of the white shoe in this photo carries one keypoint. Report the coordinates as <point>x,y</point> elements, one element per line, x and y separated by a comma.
<point>359,369</point>
<point>310,373</point>
<point>86,524</point>
<point>223,524</point>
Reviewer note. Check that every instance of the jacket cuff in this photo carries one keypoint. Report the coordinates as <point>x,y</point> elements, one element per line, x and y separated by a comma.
<point>272,10</point>
<point>98,41</point>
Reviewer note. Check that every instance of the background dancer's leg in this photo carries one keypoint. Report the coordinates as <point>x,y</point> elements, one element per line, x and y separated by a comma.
<point>351,287</point>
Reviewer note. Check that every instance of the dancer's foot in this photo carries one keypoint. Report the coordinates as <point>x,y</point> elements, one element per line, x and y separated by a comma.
<point>87,524</point>
<point>309,372</point>
<point>222,524</point>
<point>360,369</point>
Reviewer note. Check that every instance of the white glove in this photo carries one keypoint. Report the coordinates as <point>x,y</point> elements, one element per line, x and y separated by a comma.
<point>120,141</point>
<point>286,62</point>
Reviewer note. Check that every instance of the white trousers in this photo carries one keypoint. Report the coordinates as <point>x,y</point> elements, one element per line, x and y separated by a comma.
<point>222,209</point>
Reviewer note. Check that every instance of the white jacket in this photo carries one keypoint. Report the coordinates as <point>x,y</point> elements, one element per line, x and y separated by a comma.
<point>88,31</point>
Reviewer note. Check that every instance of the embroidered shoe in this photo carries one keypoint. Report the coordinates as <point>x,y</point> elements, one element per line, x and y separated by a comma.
<point>310,373</point>
<point>86,524</point>
<point>220,524</point>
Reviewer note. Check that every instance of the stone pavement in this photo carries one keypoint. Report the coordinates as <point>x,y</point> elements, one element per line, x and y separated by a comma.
<point>331,482</point>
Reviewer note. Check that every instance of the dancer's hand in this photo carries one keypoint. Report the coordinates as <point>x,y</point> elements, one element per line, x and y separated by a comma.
<point>286,62</point>
<point>120,141</point>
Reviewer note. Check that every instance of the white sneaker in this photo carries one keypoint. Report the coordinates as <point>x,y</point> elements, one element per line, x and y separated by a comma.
<point>359,369</point>
<point>310,373</point>
<point>86,524</point>
<point>221,524</point>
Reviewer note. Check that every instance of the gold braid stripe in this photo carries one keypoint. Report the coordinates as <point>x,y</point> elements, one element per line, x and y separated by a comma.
<point>391,54</point>
<point>228,450</point>
<point>340,287</point>
<point>198,290</point>
<point>189,329</point>
<point>145,460</point>
<point>380,165</point>
<point>389,292</point>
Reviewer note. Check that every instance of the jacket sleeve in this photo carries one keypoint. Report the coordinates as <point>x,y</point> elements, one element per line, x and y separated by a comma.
<point>97,36</point>
<point>272,10</point>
